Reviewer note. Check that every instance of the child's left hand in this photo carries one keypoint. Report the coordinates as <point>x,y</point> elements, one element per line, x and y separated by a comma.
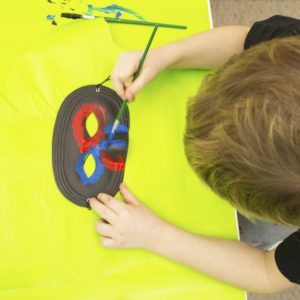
<point>128,224</point>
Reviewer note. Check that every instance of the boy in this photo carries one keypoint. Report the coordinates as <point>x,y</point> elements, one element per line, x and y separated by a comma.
<point>242,138</point>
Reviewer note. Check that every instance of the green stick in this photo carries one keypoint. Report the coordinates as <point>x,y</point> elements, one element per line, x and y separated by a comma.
<point>146,23</point>
<point>133,22</point>
<point>136,74</point>
<point>120,21</point>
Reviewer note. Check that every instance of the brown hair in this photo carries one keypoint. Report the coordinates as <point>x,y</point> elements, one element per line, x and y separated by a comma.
<point>243,131</point>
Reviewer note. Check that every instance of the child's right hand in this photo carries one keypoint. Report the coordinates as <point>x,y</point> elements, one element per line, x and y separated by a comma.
<point>127,65</point>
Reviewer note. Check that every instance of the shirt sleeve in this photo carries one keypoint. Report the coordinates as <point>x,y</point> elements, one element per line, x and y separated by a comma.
<point>287,257</point>
<point>274,27</point>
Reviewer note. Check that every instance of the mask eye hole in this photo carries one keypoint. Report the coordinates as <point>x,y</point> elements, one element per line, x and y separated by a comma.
<point>89,166</point>
<point>91,124</point>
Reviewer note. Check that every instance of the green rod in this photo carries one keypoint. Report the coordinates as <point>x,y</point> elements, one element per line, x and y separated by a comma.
<point>133,22</point>
<point>121,21</point>
<point>136,74</point>
<point>146,23</point>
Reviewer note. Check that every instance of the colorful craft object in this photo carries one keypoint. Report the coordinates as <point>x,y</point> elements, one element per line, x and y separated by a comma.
<point>73,145</point>
<point>96,145</point>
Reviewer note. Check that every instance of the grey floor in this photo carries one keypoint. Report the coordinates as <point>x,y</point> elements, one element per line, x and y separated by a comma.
<point>246,12</point>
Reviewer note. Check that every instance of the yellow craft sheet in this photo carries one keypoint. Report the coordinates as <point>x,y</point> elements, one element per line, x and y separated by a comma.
<point>49,248</point>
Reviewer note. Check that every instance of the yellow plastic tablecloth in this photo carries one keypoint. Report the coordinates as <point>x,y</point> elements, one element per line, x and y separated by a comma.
<point>49,248</point>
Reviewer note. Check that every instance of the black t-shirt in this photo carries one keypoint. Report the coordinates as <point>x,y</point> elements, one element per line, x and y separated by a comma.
<point>287,254</point>
<point>274,27</point>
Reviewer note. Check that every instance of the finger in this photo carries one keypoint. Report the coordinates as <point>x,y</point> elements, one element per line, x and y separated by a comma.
<point>102,210</point>
<point>105,229</point>
<point>108,242</point>
<point>127,195</point>
<point>136,86</point>
<point>129,96</point>
<point>111,202</point>
<point>119,87</point>
<point>127,81</point>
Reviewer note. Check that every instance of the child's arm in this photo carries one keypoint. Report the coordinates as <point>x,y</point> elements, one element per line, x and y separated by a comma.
<point>131,224</point>
<point>233,262</point>
<point>205,50</point>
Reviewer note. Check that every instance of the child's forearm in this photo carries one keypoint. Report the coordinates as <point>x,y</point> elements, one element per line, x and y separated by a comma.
<point>230,261</point>
<point>206,50</point>
<point>131,224</point>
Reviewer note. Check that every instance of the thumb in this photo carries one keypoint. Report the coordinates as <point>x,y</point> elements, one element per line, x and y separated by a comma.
<point>135,87</point>
<point>127,81</point>
<point>127,195</point>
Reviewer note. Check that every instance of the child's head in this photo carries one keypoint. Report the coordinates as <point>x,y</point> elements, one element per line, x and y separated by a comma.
<point>243,131</point>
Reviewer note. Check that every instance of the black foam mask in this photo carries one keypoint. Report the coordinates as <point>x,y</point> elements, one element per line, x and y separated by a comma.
<point>72,144</point>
